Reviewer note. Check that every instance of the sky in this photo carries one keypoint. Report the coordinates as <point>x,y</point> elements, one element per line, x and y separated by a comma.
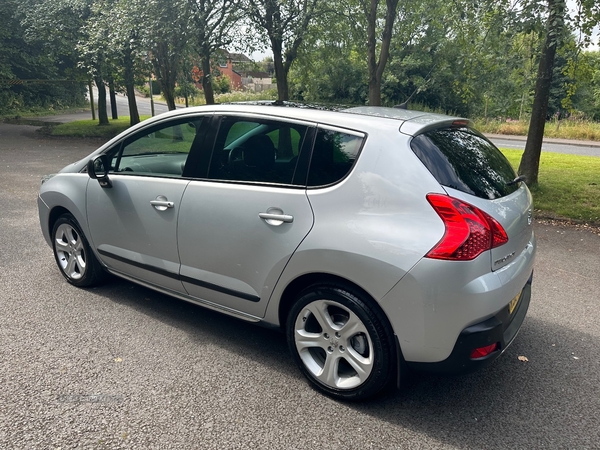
<point>259,56</point>
<point>572,6</point>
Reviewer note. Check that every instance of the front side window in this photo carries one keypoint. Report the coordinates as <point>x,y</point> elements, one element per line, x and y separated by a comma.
<point>161,151</point>
<point>256,150</point>
<point>333,156</point>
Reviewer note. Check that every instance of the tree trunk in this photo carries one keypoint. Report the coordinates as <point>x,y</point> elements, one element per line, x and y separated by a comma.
<point>168,91</point>
<point>280,72</point>
<point>134,115</point>
<point>375,67</point>
<point>530,161</point>
<point>374,83</point>
<point>92,100</point>
<point>374,91</point>
<point>165,65</point>
<point>209,94</point>
<point>113,100</point>
<point>102,113</point>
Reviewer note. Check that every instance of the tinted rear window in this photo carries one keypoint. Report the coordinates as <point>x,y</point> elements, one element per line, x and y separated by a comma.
<point>462,159</point>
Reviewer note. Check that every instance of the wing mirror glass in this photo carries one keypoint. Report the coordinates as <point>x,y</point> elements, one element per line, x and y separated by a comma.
<point>98,168</point>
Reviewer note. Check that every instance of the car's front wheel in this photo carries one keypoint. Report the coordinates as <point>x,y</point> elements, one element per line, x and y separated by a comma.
<point>73,254</point>
<point>341,344</point>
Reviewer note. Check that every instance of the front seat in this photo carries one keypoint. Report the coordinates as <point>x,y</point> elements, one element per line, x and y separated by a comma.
<point>258,160</point>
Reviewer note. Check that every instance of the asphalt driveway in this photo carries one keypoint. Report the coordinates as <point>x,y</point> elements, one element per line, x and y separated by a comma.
<point>121,366</point>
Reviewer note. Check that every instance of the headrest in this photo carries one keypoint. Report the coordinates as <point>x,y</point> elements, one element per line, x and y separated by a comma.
<point>259,151</point>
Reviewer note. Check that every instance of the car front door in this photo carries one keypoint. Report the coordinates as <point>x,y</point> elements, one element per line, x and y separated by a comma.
<point>239,226</point>
<point>133,223</point>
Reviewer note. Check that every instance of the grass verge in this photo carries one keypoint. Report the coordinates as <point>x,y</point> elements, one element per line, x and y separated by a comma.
<point>91,129</point>
<point>568,188</point>
<point>563,129</point>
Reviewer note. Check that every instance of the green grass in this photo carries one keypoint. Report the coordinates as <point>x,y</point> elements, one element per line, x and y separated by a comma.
<point>563,129</point>
<point>91,129</point>
<point>568,188</point>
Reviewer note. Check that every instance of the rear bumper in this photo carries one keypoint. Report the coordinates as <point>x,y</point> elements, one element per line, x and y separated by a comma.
<point>501,328</point>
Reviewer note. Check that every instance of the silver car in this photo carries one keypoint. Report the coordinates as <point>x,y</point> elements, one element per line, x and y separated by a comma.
<point>378,239</point>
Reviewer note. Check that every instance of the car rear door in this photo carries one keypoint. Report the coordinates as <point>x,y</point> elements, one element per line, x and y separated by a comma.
<point>240,224</point>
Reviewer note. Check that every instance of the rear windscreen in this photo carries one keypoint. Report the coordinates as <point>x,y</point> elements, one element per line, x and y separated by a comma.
<point>462,159</point>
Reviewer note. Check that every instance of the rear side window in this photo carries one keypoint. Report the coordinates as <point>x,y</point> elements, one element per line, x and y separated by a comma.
<point>462,159</point>
<point>334,153</point>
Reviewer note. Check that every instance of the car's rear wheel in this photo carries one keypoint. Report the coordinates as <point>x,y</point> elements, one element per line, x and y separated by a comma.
<point>73,254</point>
<point>341,344</point>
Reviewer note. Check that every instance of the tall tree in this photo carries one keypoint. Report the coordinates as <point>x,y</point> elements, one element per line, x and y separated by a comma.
<point>416,49</point>
<point>285,23</point>
<point>212,23</point>
<point>57,26</point>
<point>378,49</point>
<point>530,161</point>
<point>126,43</point>
<point>22,59</point>
<point>167,35</point>
<point>94,54</point>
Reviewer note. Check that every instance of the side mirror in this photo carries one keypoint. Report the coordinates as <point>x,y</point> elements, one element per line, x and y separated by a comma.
<point>98,168</point>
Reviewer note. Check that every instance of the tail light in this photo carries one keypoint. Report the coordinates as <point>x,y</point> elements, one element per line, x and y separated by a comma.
<point>469,230</point>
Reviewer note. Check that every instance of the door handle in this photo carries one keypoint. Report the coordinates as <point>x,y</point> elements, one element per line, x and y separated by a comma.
<point>283,217</point>
<point>161,203</point>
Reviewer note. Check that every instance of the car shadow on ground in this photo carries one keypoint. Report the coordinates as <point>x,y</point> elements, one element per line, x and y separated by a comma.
<point>204,325</point>
<point>495,408</point>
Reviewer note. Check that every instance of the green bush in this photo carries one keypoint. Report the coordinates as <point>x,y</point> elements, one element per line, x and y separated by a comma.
<point>40,98</point>
<point>145,88</point>
<point>238,96</point>
<point>188,89</point>
<point>221,85</point>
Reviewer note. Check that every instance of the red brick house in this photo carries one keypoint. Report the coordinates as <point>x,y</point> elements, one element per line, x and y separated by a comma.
<point>225,62</point>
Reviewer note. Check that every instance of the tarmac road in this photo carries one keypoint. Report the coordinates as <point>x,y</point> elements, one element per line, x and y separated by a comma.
<point>570,146</point>
<point>143,105</point>
<point>121,366</point>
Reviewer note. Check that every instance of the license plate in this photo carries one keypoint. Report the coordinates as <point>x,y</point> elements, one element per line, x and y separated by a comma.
<point>513,303</point>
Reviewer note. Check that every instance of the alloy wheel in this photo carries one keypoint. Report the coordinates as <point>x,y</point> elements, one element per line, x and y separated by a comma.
<point>70,251</point>
<point>334,344</point>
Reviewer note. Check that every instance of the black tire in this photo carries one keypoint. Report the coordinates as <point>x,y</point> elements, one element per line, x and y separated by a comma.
<point>73,255</point>
<point>348,336</point>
